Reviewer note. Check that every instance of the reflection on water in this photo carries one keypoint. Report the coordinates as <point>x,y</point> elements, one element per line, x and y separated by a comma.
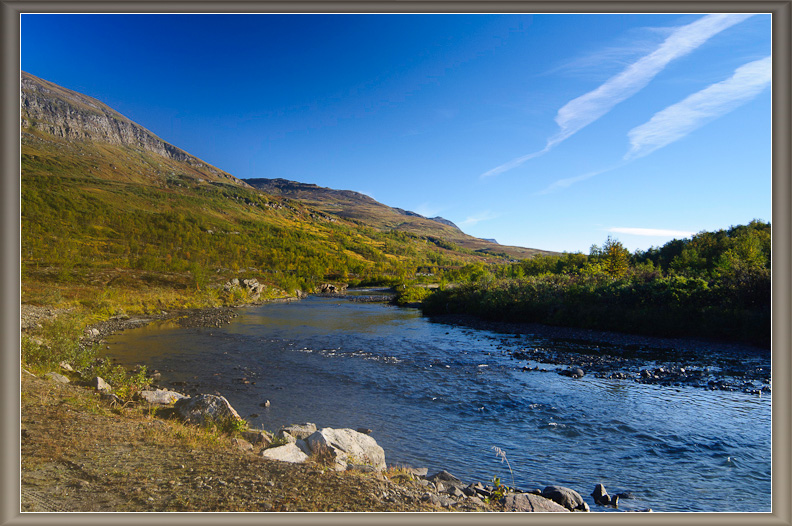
<point>442,397</point>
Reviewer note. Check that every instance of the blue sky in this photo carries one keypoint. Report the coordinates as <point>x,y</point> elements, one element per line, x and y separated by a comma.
<point>545,131</point>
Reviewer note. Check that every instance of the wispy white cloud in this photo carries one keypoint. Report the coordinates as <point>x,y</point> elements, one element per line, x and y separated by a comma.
<point>514,163</point>
<point>569,181</point>
<point>582,111</point>
<point>678,120</point>
<point>654,232</point>
<point>477,218</point>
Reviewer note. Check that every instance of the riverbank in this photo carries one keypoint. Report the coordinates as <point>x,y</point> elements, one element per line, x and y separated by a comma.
<point>130,457</point>
<point>211,317</point>
<point>700,363</point>
<point>107,457</point>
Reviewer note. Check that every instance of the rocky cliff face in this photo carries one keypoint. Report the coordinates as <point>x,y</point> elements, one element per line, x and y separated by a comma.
<point>65,114</point>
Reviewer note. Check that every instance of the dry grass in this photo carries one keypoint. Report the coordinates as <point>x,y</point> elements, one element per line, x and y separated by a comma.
<point>78,454</point>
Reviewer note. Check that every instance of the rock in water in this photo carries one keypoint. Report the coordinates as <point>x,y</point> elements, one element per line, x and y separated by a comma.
<point>566,497</point>
<point>600,495</point>
<point>347,446</point>
<point>206,409</point>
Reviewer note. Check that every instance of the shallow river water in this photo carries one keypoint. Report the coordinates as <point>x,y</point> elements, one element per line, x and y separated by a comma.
<point>442,396</point>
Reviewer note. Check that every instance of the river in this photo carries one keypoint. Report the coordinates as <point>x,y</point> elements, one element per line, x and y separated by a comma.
<point>443,396</point>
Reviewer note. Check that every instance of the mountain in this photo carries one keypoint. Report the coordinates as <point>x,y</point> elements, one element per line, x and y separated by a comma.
<point>365,210</point>
<point>102,196</point>
<point>58,116</point>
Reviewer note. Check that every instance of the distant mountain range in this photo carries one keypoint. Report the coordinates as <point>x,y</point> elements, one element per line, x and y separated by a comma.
<point>360,207</point>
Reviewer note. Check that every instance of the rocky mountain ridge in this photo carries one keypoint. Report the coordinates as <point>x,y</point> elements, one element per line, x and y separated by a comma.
<point>51,110</point>
<point>307,191</point>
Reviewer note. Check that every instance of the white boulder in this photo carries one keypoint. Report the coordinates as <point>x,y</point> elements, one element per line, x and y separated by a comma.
<point>348,448</point>
<point>287,453</point>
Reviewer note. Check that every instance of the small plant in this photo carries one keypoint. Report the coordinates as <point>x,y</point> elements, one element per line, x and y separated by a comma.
<point>277,441</point>
<point>502,454</point>
<point>228,426</point>
<point>500,489</point>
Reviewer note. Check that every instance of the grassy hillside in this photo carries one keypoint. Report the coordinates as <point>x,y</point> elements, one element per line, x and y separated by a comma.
<point>365,210</point>
<point>106,203</point>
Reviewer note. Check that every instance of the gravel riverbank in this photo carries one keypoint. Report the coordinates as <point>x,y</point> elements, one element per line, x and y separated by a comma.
<point>665,361</point>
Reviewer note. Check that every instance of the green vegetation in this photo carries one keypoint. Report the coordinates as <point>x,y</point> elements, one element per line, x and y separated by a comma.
<point>715,284</point>
<point>58,340</point>
<point>406,294</point>
<point>74,223</point>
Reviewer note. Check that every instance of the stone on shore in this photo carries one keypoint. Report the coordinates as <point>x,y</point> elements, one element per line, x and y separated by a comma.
<point>528,502</point>
<point>300,430</point>
<point>446,479</point>
<point>160,396</point>
<point>288,453</point>
<point>566,497</point>
<point>55,377</point>
<point>257,437</point>
<point>418,472</point>
<point>347,446</point>
<point>100,385</point>
<point>242,445</point>
<point>66,367</point>
<point>205,409</point>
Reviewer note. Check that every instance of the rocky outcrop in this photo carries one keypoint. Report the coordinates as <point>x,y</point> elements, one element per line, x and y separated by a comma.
<point>331,288</point>
<point>251,287</point>
<point>66,114</point>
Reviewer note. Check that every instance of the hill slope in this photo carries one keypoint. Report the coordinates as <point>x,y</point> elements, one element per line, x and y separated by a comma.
<point>362,208</point>
<point>102,193</point>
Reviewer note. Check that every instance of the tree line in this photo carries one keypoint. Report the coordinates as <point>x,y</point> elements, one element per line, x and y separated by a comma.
<point>714,284</point>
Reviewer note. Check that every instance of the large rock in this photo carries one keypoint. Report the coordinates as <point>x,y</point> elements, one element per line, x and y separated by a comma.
<point>347,447</point>
<point>287,453</point>
<point>160,396</point>
<point>300,430</point>
<point>531,503</point>
<point>566,497</point>
<point>205,409</point>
